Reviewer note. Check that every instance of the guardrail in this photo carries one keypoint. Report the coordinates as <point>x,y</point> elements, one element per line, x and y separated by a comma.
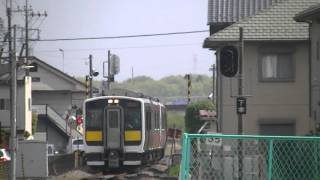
<point>245,157</point>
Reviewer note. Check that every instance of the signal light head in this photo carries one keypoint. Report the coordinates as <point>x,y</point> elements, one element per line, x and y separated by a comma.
<point>229,61</point>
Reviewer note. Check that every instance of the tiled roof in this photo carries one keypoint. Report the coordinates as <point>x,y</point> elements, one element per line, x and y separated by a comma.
<point>230,11</point>
<point>313,11</point>
<point>274,23</point>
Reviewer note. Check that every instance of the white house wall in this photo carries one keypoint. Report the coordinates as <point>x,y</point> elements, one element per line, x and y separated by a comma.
<point>23,114</point>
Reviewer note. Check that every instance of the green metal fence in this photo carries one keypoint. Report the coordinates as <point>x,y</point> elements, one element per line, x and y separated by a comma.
<point>245,157</point>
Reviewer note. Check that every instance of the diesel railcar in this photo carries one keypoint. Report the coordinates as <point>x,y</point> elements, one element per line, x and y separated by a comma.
<point>125,129</point>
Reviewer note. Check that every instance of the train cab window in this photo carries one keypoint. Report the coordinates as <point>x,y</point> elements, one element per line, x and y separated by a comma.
<point>113,119</point>
<point>133,119</point>
<point>94,114</point>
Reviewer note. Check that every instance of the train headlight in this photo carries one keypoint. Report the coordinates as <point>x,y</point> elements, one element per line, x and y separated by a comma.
<point>110,101</point>
<point>116,101</point>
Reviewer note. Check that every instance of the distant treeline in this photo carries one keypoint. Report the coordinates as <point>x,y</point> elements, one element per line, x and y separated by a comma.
<point>168,88</point>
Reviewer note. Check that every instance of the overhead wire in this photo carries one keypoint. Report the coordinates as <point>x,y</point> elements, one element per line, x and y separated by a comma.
<point>129,47</point>
<point>121,37</point>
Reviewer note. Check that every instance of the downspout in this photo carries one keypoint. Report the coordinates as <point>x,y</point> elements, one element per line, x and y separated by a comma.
<point>219,92</point>
<point>310,70</point>
<point>310,78</point>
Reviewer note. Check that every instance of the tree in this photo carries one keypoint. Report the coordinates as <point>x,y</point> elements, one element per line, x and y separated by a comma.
<point>192,121</point>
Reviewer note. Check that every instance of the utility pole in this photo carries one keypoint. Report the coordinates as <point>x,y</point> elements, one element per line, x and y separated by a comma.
<point>13,97</point>
<point>90,76</point>
<point>240,94</point>
<point>27,35</point>
<point>109,74</point>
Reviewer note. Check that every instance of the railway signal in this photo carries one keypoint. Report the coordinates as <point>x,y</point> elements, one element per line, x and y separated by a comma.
<point>229,61</point>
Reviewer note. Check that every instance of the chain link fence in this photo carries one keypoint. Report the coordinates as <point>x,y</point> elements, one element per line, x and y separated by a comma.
<point>4,170</point>
<point>243,157</point>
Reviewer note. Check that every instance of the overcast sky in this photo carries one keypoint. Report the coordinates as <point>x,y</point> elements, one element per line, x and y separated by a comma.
<point>151,56</point>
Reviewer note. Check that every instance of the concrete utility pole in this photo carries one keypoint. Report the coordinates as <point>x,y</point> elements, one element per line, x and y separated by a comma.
<point>240,94</point>
<point>13,97</point>
<point>109,74</point>
<point>27,36</point>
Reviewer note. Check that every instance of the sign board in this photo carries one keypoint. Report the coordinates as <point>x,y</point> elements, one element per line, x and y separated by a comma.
<point>213,141</point>
<point>241,105</point>
<point>207,115</point>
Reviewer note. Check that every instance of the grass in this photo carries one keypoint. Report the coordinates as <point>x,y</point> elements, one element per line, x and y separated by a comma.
<point>175,119</point>
<point>174,170</point>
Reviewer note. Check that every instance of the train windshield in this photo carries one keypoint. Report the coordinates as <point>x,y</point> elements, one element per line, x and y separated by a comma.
<point>132,115</point>
<point>94,114</point>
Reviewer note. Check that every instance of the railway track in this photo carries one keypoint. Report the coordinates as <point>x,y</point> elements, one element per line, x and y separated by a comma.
<point>147,172</point>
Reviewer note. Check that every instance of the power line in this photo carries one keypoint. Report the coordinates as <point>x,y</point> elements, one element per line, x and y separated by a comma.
<point>120,37</point>
<point>128,47</point>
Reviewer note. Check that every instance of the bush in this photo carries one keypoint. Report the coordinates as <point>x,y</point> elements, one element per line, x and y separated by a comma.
<point>192,121</point>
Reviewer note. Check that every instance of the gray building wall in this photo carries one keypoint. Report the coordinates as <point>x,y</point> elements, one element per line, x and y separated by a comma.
<point>55,89</point>
<point>55,135</point>
<point>315,49</point>
<point>270,102</point>
<point>57,100</point>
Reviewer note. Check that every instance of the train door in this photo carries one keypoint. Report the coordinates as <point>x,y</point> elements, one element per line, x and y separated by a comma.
<point>113,138</point>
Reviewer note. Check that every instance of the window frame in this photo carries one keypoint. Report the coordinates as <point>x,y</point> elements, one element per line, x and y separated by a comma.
<point>277,79</point>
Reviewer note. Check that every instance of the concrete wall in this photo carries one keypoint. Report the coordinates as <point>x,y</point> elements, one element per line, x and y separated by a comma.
<point>279,102</point>
<point>32,160</point>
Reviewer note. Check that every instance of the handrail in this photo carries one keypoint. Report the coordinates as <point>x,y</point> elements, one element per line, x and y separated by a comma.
<point>56,118</point>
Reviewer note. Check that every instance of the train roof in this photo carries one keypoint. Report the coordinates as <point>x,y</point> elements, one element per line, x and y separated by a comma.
<point>129,93</point>
<point>123,93</point>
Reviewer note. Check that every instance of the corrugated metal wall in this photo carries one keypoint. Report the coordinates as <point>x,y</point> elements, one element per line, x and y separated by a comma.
<point>229,11</point>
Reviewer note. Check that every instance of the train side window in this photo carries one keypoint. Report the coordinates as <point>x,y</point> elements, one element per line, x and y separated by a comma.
<point>148,120</point>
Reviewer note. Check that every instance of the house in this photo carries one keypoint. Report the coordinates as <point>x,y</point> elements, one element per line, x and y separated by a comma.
<point>55,97</point>
<point>24,116</point>
<point>312,17</point>
<point>276,72</point>
<point>223,13</point>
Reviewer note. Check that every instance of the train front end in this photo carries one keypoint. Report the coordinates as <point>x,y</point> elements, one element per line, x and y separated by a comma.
<point>113,131</point>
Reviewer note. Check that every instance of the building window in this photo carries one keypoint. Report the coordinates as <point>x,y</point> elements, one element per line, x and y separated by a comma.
<point>277,67</point>
<point>277,127</point>
<point>35,79</point>
<point>4,104</point>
